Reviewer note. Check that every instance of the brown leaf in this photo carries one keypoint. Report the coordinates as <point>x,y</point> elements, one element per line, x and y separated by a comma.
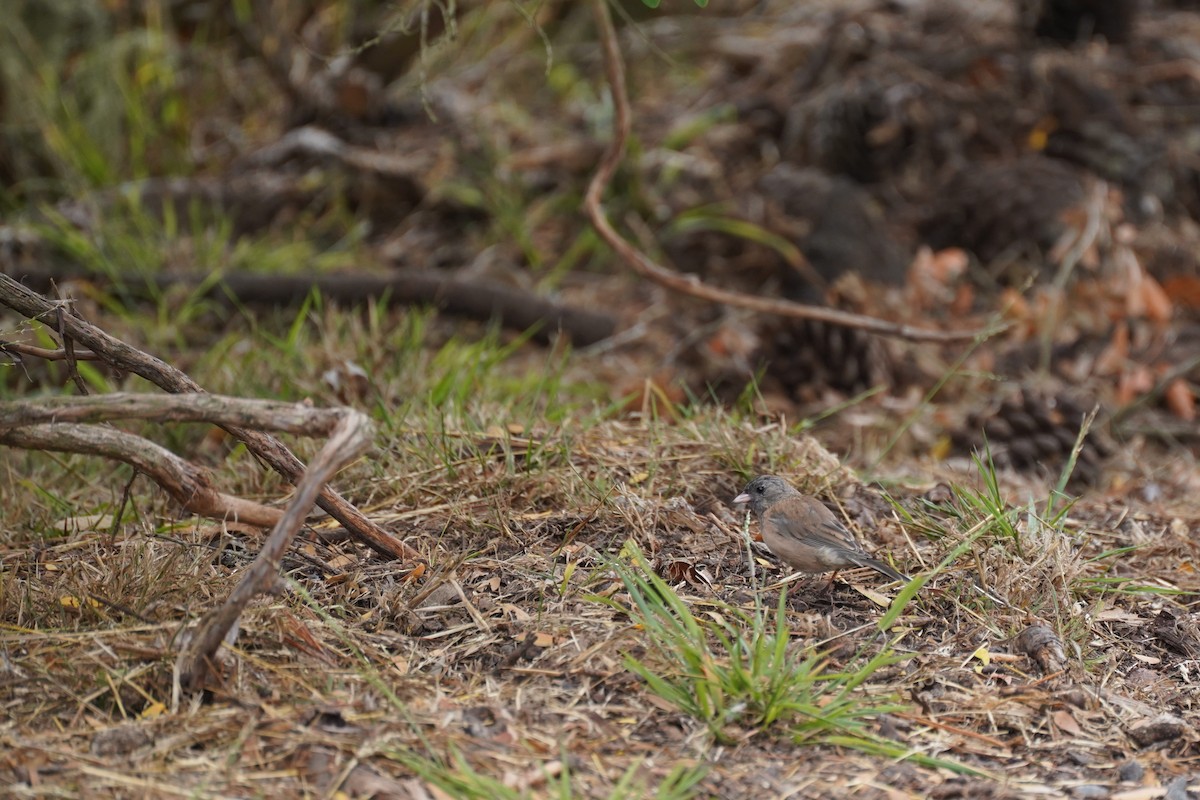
<point>932,276</point>
<point>1114,356</point>
<point>964,299</point>
<point>1154,300</point>
<point>1183,289</point>
<point>1133,383</point>
<point>679,571</point>
<point>1016,308</point>
<point>1066,722</point>
<point>733,340</point>
<point>948,265</point>
<point>1180,399</point>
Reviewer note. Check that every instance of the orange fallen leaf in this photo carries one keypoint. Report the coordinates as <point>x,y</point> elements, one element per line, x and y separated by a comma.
<point>1180,399</point>
<point>1154,300</point>
<point>1133,383</point>
<point>964,298</point>
<point>932,277</point>
<point>1116,353</point>
<point>949,264</point>
<point>1014,304</point>
<point>732,340</point>
<point>1183,289</point>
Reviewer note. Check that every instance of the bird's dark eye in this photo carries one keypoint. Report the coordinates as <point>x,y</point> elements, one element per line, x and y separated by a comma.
<point>760,489</point>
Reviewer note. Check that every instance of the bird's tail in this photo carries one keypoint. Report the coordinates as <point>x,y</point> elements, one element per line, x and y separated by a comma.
<point>881,567</point>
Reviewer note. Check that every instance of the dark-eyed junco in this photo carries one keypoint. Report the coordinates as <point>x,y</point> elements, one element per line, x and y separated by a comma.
<point>802,532</point>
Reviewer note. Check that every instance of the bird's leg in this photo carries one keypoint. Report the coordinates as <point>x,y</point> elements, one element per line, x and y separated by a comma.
<point>832,579</point>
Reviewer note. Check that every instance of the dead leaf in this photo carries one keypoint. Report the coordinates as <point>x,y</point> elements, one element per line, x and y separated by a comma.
<point>964,299</point>
<point>1155,301</point>
<point>1180,399</point>
<point>984,656</point>
<point>85,522</point>
<point>73,602</point>
<point>878,598</point>
<point>1118,615</point>
<point>932,277</point>
<point>949,264</point>
<point>1066,723</point>
<point>1113,357</point>
<point>1183,289</point>
<point>1133,383</point>
<point>679,571</point>
<point>733,341</point>
<point>348,380</point>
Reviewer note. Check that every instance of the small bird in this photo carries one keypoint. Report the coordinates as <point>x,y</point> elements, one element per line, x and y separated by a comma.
<point>802,532</point>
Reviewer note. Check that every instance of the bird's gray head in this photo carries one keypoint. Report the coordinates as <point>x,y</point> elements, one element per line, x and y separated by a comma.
<point>763,491</point>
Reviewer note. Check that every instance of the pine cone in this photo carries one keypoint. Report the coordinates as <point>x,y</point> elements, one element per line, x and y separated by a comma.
<point>1093,128</point>
<point>805,356</point>
<point>998,208</point>
<point>1033,430</point>
<point>1078,20</point>
<point>841,134</point>
<point>858,133</point>
<point>835,224</point>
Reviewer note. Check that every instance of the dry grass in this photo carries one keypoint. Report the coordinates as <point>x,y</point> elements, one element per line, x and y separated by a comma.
<point>504,668</point>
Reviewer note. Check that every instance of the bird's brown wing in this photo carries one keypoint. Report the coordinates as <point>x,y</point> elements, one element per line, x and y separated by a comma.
<point>838,535</point>
<point>820,527</point>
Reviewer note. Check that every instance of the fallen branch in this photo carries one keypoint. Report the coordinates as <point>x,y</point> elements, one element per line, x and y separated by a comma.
<point>188,485</point>
<point>350,439</point>
<point>271,415</point>
<point>475,299</point>
<point>53,423</point>
<point>163,375</point>
<point>614,70</point>
<point>16,349</point>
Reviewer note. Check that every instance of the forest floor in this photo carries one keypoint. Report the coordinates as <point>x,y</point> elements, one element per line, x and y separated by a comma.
<point>590,616</point>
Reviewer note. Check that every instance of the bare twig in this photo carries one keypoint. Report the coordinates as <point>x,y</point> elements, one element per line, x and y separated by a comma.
<point>52,424</point>
<point>33,351</point>
<point>614,69</point>
<point>166,377</point>
<point>350,439</point>
<point>69,349</point>
<point>188,484</point>
<point>476,299</point>
<point>272,415</point>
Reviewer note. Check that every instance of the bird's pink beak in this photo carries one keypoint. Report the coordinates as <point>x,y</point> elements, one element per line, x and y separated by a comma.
<point>744,497</point>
